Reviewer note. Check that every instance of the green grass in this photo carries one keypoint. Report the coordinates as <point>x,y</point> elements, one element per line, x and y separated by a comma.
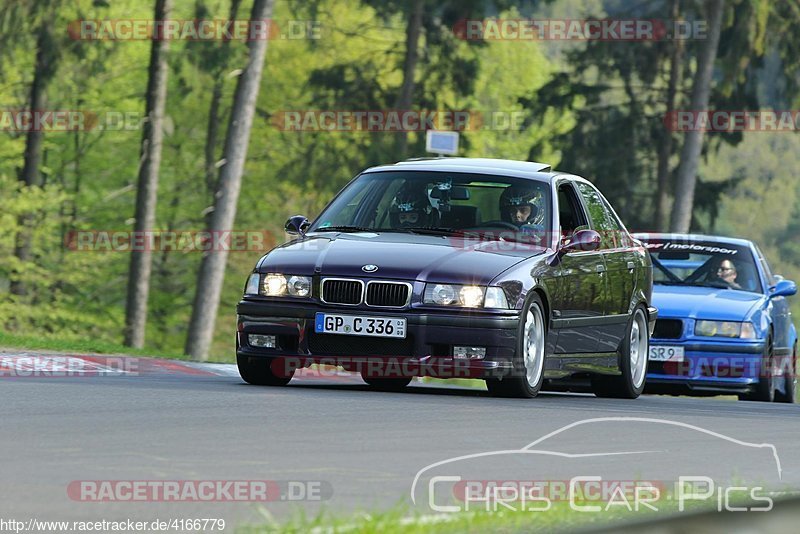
<point>559,518</point>
<point>54,343</point>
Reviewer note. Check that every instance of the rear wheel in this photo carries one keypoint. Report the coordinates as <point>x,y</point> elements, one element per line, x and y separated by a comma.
<point>262,372</point>
<point>790,380</point>
<point>528,371</point>
<point>633,357</point>
<point>765,389</point>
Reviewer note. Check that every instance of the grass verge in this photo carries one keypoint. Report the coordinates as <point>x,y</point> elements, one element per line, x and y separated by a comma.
<point>560,517</point>
<point>54,343</point>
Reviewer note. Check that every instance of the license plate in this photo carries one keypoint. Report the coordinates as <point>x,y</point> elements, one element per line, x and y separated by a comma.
<point>666,353</point>
<point>357,325</point>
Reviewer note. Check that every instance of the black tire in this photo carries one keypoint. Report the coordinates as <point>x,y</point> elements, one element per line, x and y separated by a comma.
<point>261,371</point>
<point>764,390</point>
<point>630,383</point>
<point>521,383</point>
<point>790,381</point>
<point>387,384</point>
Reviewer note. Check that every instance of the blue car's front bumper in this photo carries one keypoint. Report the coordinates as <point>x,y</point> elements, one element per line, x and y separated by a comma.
<point>709,364</point>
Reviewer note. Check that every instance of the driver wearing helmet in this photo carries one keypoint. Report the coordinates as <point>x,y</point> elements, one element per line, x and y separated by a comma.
<point>412,208</point>
<point>521,206</point>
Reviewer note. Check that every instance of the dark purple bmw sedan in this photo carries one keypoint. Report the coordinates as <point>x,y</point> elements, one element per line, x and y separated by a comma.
<point>455,267</point>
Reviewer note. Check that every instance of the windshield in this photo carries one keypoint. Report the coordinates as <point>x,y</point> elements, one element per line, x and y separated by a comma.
<point>697,263</point>
<point>415,200</point>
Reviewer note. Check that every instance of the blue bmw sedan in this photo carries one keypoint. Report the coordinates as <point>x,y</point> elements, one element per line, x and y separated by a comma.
<point>724,323</point>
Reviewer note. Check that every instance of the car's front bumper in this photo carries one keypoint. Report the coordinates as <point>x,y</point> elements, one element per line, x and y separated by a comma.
<point>427,349</point>
<point>714,366</point>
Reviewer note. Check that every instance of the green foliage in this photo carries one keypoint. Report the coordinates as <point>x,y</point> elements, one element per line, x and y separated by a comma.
<point>91,175</point>
<point>590,108</point>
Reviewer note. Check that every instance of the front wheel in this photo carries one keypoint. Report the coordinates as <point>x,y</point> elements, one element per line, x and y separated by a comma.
<point>528,371</point>
<point>633,356</point>
<point>261,372</point>
<point>790,381</point>
<point>765,389</point>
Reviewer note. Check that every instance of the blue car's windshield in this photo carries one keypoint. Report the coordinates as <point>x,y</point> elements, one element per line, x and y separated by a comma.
<point>419,201</point>
<point>698,263</point>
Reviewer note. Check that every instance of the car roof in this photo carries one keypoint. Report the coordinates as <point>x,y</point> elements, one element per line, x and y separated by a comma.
<point>505,167</point>
<point>694,237</point>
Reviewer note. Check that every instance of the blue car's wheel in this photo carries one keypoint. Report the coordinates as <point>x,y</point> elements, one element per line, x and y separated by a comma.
<point>765,389</point>
<point>790,380</point>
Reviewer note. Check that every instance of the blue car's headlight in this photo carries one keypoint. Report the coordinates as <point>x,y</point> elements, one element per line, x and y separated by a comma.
<point>465,296</point>
<point>725,329</point>
<point>278,285</point>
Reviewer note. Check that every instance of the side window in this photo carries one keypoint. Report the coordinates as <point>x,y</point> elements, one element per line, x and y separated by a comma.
<point>770,279</point>
<point>570,213</point>
<point>622,237</point>
<point>602,219</point>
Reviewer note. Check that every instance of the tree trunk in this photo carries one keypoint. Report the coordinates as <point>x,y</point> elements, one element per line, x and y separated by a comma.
<point>212,130</point>
<point>212,266</point>
<point>147,189</point>
<point>693,144</point>
<point>665,144</point>
<point>404,99</point>
<point>31,175</point>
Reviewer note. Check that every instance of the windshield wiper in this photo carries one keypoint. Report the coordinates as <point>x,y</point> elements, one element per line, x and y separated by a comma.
<point>711,283</point>
<point>426,230</point>
<point>344,228</point>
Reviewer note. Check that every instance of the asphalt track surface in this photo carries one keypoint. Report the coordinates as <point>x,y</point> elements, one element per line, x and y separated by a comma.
<point>359,449</point>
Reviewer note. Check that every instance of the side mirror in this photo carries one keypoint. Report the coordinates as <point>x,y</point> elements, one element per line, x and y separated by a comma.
<point>581,241</point>
<point>784,288</point>
<point>297,225</point>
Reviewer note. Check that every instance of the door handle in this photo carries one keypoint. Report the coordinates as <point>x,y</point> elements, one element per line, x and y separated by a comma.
<point>631,265</point>
<point>600,268</point>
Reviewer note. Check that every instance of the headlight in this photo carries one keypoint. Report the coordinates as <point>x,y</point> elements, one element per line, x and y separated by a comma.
<point>495,298</point>
<point>251,288</point>
<point>280,285</point>
<point>471,296</point>
<point>725,329</point>
<point>465,296</point>
<point>299,286</point>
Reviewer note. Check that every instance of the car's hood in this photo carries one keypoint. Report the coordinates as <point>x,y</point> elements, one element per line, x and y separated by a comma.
<point>397,256</point>
<point>704,302</point>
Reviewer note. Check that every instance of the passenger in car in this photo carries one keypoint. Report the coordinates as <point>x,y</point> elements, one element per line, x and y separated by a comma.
<point>411,208</point>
